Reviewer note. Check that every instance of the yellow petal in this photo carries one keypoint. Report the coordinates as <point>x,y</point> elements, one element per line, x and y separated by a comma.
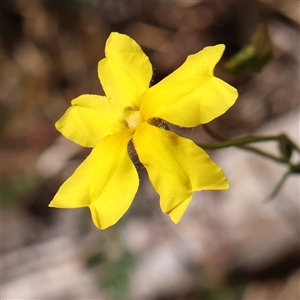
<point>112,193</point>
<point>89,119</point>
<point>176,168</point>
<point>106,181</point>
<point>125,72</point>
<point>74,192</point>
<point>191,95</point>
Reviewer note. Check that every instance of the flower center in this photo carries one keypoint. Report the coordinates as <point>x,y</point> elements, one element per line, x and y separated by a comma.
<point>134,119</point>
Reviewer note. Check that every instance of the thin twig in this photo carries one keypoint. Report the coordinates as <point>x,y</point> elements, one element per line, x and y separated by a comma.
<point>241,143</point>
<point>278,186</point>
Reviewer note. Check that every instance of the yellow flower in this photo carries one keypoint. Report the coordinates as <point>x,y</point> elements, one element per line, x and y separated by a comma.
<point>107,180</point>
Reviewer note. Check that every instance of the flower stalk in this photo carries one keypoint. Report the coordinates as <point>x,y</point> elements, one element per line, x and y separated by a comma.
<point>285,145</point>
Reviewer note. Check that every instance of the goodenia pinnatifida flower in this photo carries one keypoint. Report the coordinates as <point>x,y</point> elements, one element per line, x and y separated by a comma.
<point>107,180</point>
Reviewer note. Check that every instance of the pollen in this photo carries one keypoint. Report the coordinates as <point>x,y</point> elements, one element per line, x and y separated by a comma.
<point>134,119</point>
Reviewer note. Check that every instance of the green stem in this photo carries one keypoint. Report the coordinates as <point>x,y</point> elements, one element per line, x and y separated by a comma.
<point>248,148</point>
<point>242,142</point>
<point>279,185</point>
<point>249,139</point>
<point>265,154</point>
<point>293,144</point>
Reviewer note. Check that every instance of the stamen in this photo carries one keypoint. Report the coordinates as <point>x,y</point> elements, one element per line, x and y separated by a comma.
<point>134,119</point>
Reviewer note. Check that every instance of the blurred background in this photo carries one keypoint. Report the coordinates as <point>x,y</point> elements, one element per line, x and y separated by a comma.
<point>230,244</point>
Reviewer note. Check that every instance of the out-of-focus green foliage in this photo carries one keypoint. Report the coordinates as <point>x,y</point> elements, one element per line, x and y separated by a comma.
<point>14,188</point>
<point>255,55</point>
<point>115,266</point>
